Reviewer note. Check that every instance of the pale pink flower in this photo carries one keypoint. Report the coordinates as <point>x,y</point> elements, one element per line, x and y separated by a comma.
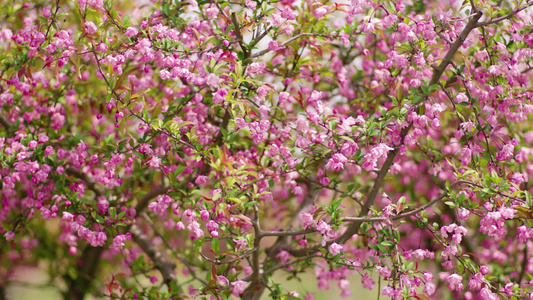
<point>90,27</point>
<point>131,31</point>
<point>238,287</point>
<point>320,12</point>
<point>335,249</point>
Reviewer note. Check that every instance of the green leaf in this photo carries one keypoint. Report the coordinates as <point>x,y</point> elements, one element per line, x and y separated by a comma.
<point>198,243</point>
<point>215,245</point>
<point>99,219</point>
<point>249,204</point>
<point>112,212</point>
<point>157,109</point>
<point>121,215</point>
<point>433,87</point>
<point>271,183</point>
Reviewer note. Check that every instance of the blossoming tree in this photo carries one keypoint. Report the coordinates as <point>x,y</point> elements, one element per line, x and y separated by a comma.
<point>180,149</point>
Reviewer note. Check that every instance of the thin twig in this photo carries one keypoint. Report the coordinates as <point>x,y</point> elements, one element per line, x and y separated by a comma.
<point>263,52</point>
<point>502,18</point>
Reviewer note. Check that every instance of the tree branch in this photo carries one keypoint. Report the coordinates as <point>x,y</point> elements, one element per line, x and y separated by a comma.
<point>523,266</point>
<point>166,268</point>
<point>5,123</point>
<point>169,247</point>
<point>287,232</point>
<point>283,240</point>
<point>88,181</point>
<point>502,18</point>
<point>263,52</point>
<point>353,228</point>
<point>91,255</point>
<point>472,23</point>
<point>238,35</point>
<point>439,70</point>
<point>143,203</point>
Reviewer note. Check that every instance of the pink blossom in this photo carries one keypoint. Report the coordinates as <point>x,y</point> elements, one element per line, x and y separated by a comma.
<point>238,287</point>
<point>131,31</point>
<point>486,294</point>
<point>201,180</point>
<point>307,220</point>
<point>283,256</point>
<point>429,288</point>
<point>320,12</point>
<point>323,227</point>
<point>90,27</point>
<point>454,279</point>
<point>180,226</point>
<point>256,68</point>
<point>367,281</point>
<point>335,249</point>
<point>383,271</point>
<point>155,162</point>
<point>274,46</point>
<point>195,231</point>
<point>220,96</point>
<point>47,12</point>
<point>251,4</point>
<point>461,97</point>
<point>10,235</point>
<point>240,244</point>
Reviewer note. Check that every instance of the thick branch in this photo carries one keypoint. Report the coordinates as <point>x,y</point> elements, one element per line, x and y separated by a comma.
<point>143,203</point>
<point>238,34</point>
<point>166,268</point>
<point>523,266</point>
<point>88,181</point>
<point>253,290</point>
<point>472,23</point>
<point>86,272</point>
<point>352,229</point>
<point>5,123</point>
<point>2,292</point>
<point>91,255</point>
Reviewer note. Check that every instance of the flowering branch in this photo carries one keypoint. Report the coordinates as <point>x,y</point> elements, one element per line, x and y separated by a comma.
<point>502,18</point>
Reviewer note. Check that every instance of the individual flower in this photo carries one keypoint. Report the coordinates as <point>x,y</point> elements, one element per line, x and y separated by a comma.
<point>335,249</point>
<point>240,244</point>
<point>90,27</point>
<point>368,282</point>
<point>131,31</point>
<point>10,235</point>
<point>238,287</point>
<point>320,12</point>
